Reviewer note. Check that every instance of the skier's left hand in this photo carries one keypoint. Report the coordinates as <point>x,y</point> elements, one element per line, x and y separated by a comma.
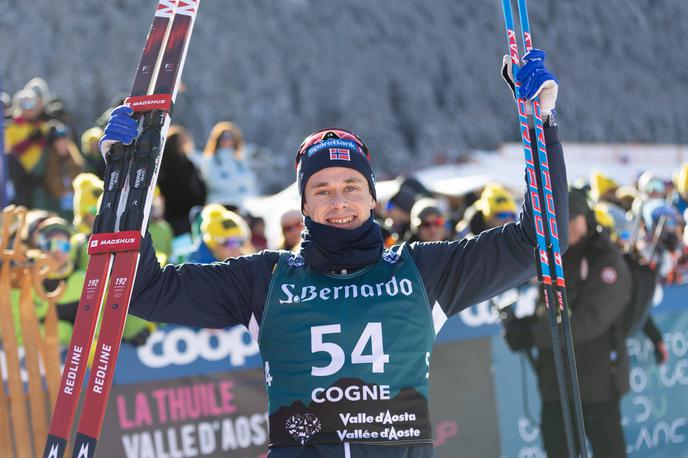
<point>121,128</point>
<point>534,79</point>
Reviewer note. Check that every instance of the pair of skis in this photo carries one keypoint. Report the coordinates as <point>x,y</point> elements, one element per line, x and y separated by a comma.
<point>548,250</point>
<point>130,177</point>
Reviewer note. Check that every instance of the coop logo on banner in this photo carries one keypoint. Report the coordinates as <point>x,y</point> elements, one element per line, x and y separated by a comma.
<point>183,346</point>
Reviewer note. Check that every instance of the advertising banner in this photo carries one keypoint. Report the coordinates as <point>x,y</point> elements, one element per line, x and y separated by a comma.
<point>654,412</point>
<point>215,415</point>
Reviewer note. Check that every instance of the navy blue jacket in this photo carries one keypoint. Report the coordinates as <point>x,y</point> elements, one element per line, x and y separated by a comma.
<point>455,274</point>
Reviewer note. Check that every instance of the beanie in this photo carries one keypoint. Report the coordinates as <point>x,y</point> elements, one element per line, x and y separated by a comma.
<point>601,184</point>
<point>219,223</point>
<point>496,199</point>
<point>332,148</point>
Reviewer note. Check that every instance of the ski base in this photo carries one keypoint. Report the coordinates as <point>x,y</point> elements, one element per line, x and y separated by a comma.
<point>84,446</point>
<point>54,447</point>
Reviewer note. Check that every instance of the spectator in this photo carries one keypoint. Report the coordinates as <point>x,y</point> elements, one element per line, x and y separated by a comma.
<point>257,226</point>
<point>89,148</point>
<point>63,163</point>
<point>602,188</point>
<point>224,235</point>
<point>180,182</point>
<point>6,102</point>
<point>495,207</point>
<point>398,213</point>
<point>598,289</point>
<point>428,223</point>
<point>24,143</point>
<point>660,242</point>
<point>160,230</point>
<point>291,223</point>
<point>225,170</point>
<point>651,186</point>
<point>680,196</point>
<point>625,196</point>
<point>87,190</point>
<point>51,106</point>
<point>616,225</point>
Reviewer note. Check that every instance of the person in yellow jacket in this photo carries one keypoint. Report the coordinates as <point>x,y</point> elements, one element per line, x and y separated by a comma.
<point>25,139</point>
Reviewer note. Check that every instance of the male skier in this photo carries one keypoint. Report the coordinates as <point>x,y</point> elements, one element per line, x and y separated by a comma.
<point>346,327</point>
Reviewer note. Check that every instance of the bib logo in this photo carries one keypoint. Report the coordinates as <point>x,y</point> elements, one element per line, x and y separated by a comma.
<point>307,293</point>
<point>390,256</point>
<point>303,427</point>
<point>296,261</point>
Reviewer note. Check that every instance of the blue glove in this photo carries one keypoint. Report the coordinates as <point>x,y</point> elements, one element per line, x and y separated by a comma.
<point>533,75</point>
<point>534,79</point>
<point>121,128</point>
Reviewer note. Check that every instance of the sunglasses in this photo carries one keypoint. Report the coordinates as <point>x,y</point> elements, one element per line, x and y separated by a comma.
<point>231,242</point>
<point>327,134</point>
<point>506,216</point>
<point>56,245</point>
<point>438,222</point>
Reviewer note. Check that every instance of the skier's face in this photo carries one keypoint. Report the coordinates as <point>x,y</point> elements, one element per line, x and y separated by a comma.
<point>339,197</point>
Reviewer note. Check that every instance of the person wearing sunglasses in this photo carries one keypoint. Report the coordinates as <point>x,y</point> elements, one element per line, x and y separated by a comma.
<point>428,223</point>
<point>346,327</point>
<point>291,223</point>
<point>495,207</point>
<point>224,234</point>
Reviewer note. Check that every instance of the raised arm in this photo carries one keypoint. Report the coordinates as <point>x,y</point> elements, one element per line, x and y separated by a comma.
<point>462,273</point>
<point>211,295</point>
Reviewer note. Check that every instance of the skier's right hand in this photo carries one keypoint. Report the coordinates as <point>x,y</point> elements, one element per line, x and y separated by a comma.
<point>121,128</point>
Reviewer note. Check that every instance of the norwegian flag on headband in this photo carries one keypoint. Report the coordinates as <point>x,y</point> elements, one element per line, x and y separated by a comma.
<point>339,154</point>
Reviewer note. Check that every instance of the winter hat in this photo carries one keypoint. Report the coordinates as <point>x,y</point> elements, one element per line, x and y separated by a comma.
<point>218,223</point>
<point>87,190</point>
<point>682,180</point>
<point>600,185</point>
<point>579,204</point>
<point>332,148</point>
<point>24,100</point>
<point>403,200</point>
<point>89,137</point>
<point>40,88</point>
<point>649,183</point>
<point>496,199</point>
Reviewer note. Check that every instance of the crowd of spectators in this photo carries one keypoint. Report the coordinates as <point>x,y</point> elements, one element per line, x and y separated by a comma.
<point>198,212</point>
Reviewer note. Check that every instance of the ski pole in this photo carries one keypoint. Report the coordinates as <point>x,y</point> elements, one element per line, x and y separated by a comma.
<point>548,251</point>
<point>552,240</point>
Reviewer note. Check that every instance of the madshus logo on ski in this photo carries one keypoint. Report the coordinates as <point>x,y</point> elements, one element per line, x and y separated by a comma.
<point>109,243</point>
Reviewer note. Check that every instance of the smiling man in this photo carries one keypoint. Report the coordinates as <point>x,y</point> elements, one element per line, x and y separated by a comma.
<point>345,326</point>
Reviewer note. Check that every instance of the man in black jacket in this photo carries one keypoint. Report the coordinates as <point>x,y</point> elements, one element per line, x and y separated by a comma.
<point>346,327</point>
<point>598,290</point>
